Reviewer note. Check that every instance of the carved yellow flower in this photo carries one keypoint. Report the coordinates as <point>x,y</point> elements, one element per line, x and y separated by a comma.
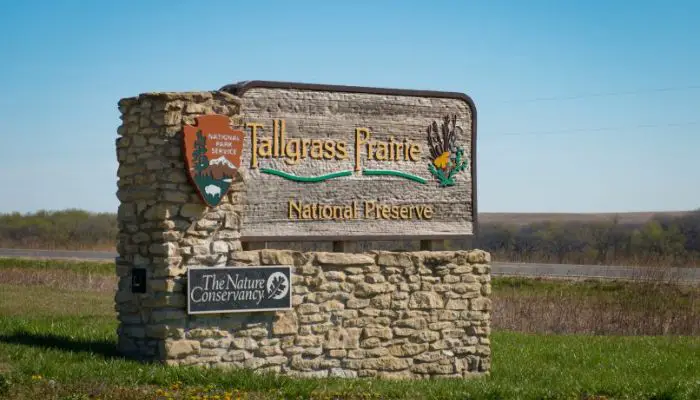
<point>442,160</point>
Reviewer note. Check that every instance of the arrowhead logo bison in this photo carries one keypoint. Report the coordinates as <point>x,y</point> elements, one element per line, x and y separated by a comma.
<point>212,156</point>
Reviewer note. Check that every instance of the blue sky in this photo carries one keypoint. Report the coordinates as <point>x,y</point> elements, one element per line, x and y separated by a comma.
<point>548,141</point>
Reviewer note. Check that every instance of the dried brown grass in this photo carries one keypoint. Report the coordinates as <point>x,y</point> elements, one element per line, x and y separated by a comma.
<point>653,303</point>
<point>59,279</point>
<point>559,314</point>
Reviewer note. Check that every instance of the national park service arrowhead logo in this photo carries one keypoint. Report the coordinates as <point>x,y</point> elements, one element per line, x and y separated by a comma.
<point>447,158</point>
<point>212,156</point>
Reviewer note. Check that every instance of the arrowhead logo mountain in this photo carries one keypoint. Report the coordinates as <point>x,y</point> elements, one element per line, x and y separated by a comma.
<point>212,156</point>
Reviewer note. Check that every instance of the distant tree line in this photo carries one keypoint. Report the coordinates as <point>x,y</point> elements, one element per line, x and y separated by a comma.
<point>66,229</point>
<point>662,241</point>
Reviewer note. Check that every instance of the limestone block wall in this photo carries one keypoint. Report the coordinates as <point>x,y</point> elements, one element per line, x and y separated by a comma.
<point>381,314</point>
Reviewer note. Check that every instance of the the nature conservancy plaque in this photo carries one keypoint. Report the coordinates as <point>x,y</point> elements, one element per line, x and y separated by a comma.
<point>342,163</point>
<point>237,289</point>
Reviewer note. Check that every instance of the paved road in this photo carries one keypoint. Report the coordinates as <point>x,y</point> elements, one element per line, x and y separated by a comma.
<point>690,275</point>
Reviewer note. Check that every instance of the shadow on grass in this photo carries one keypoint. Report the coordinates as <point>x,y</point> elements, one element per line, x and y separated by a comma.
<point>105,348</point>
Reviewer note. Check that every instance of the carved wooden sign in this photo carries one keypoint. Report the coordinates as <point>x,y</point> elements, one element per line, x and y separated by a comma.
<point>341,163</point>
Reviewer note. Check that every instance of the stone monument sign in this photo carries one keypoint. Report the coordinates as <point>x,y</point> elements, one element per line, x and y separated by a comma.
<point>200,173</point>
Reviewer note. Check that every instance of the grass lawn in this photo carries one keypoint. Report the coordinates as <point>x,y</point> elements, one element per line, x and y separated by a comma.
<point>58,343</point>
<point>82,267</point>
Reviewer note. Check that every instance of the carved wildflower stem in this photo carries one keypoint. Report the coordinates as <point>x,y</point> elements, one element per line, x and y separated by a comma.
<point>447,158</point>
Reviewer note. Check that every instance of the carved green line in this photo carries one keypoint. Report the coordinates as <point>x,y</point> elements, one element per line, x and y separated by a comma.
<point>296,178</point>
<point>393,173</point>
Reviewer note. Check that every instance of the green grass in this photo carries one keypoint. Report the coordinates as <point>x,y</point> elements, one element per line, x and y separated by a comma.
<point>60,343</point>
<point>81,267</point>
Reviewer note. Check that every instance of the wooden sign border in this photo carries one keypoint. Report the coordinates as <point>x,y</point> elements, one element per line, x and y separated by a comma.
<point>240,88</point>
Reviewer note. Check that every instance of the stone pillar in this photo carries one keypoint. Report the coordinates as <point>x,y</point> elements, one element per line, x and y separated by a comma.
<point>163,224</point>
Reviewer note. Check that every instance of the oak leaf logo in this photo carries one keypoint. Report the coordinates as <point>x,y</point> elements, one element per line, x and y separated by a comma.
<point>277,286</point>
